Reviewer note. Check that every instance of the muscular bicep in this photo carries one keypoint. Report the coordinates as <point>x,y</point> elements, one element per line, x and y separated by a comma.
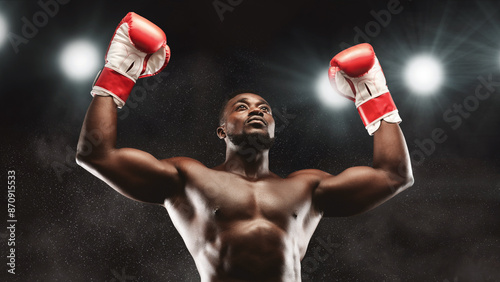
<point>353,191</point>
<point>137,174</point>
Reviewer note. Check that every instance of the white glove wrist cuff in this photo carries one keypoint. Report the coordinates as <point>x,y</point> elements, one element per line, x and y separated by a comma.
<point>99,91</point>
<point>392,117</point>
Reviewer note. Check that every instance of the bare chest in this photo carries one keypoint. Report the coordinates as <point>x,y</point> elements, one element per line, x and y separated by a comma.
<point>228,198</point>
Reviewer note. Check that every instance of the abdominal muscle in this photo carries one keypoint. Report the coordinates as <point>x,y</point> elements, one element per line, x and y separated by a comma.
<point>254,249</point>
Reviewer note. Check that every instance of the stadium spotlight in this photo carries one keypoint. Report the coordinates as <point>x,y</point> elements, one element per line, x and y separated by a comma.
<point>327,94</point>
<point>80,60</point>
<point>423,74</point>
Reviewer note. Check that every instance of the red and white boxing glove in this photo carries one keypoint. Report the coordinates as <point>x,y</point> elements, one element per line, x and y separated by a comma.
<point>355,73</point>
<point>138,49</point>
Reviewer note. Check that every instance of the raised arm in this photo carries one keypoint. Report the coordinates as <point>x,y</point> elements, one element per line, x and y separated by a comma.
<point>356,74</point>
<point>138,49</point>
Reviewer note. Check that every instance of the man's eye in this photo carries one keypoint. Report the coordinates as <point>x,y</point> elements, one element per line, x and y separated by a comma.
<point>241,107</point>
<point>265,109</point>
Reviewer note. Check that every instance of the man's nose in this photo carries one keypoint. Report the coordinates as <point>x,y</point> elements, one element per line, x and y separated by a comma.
<point>256,111</point>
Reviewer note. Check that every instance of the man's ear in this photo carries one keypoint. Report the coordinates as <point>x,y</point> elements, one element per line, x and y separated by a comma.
<point>221,132</point>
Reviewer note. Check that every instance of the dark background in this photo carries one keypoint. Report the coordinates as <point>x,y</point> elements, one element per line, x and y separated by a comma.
<point>72,227</point>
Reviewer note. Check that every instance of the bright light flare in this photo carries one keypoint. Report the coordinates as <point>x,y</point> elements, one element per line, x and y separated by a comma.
<point>424,74</point>
<point>328,95</point>
<point>3,30</point>
<point>80,60</point>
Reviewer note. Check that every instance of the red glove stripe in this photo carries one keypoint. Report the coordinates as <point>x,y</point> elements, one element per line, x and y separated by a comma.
<point>376,107</point>
<point>116,83</point>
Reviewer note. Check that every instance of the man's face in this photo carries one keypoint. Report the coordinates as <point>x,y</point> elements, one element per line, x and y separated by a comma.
<point>248,114</point>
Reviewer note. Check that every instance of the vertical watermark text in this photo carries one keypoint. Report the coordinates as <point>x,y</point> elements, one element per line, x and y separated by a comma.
<point>11,221</point>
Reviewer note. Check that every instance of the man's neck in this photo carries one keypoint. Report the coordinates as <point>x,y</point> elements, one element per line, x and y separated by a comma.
<point>247,162</point>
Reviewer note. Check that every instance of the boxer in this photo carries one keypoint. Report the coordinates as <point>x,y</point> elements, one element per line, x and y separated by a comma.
<point>239,220</point>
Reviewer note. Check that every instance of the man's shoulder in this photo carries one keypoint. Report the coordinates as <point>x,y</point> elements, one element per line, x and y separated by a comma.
<point>308,173</point>
<point>183,162</point>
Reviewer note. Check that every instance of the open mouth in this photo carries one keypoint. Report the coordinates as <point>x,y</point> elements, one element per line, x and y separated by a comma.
<point>256,120</point>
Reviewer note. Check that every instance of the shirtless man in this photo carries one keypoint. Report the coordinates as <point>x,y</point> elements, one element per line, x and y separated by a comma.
<point>240,221</point>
